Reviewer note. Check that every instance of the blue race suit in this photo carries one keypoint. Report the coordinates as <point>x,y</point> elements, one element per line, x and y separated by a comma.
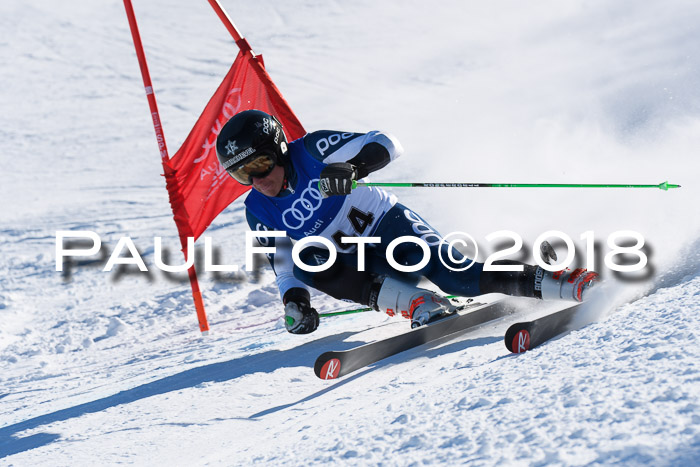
<point>301,211</point>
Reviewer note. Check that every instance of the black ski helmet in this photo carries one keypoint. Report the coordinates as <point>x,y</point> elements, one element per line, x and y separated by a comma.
<point>251,143</point>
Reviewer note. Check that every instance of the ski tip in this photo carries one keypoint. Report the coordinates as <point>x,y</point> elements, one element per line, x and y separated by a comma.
<point>520,342</point>
<point>517,338</point>
<point>329,369</point>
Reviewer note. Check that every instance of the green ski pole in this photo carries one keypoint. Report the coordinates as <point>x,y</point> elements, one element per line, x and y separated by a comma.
<point>345,312</point>
<point>360,310</point>
<point>661,186</point>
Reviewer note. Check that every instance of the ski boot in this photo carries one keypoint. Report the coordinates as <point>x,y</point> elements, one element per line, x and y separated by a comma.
<point>419,305</point>
<point>565,284</point>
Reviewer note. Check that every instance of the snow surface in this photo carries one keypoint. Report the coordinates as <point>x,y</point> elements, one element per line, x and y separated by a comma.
<point>110,368</point>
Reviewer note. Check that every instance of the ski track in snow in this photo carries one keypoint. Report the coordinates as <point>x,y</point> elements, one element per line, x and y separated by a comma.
<point>110,367</point>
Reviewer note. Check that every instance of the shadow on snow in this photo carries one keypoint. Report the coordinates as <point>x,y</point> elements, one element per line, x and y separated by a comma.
<point>266,362</point>
<point>433,350</point>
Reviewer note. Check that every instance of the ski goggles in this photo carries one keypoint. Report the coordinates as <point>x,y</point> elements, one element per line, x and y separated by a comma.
<point>259,167</point>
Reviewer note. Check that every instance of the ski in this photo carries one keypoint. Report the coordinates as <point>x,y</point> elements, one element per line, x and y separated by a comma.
<point>529,334</point>
<point>334,364</point>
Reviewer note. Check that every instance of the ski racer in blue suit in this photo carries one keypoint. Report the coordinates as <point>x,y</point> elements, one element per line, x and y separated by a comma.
<point>304,188</point>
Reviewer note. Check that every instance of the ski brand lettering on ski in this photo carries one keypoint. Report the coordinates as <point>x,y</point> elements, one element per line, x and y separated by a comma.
<point>331,369</point>
<point>521,342</point>
<point>527,335</point>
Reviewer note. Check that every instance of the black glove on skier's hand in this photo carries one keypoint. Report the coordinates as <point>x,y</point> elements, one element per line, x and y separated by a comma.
<point>299,317</point>
<point>336,179</point>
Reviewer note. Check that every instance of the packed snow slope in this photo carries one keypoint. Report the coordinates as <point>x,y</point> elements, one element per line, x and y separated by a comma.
<point>99,367</point>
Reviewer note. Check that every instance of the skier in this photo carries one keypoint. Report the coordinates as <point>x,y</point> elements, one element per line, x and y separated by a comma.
<point>304,188</point>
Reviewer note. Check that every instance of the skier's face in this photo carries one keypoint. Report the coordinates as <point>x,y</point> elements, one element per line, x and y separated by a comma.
<point>271,184</point>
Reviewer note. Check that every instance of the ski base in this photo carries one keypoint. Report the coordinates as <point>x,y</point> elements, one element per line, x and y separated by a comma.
<point>527,335</point>
<point>334,364</point>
